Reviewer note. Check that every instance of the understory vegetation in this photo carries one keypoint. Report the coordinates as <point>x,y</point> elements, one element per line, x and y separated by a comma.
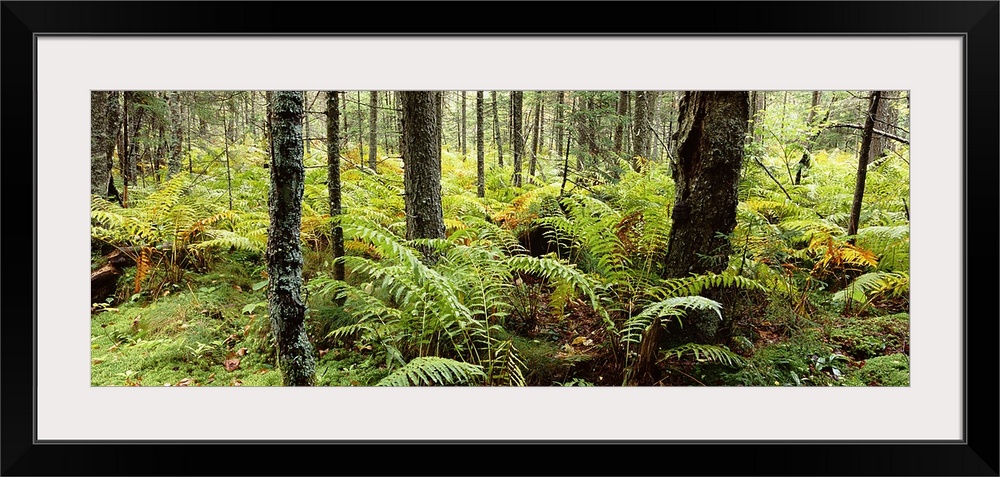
<point>550,284</point>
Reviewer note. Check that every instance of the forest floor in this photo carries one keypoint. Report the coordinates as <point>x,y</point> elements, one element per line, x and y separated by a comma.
<point>212,332</point>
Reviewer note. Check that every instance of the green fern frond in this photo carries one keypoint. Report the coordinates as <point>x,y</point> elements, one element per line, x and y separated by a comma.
<point>874,283</point>
<point>696,284</point>
<point>433,371</point>
<point>634,327</point>
<point>706,353</point>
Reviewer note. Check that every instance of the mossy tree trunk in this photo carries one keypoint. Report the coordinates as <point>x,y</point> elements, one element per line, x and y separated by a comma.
<point>711,135</point>
<point>496,128</point>
<point>284,255</point>
<point>422,166</point>
<point>176,134</point>
<point>100,168</point>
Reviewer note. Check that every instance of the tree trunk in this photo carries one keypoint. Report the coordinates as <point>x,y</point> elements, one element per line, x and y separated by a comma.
<point>886,121</point>
<point>372,132</point>
<point>422,166</point>
<point>711,135</point>
<point>642,131</point>
<point>536,128</point>
<point>621,120</point>
<point>333,180</point>
<point>515,114</point>
<point>480,154</point>
<point>100,172</point>
<point>284,256</point>
<point>176,133</point>
<point>496,128</point>
<point>863,160</point>
<point>461,132</point>
<point>560,98</point>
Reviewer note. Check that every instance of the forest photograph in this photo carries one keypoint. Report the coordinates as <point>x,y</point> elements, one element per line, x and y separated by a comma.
<point>500,238</point>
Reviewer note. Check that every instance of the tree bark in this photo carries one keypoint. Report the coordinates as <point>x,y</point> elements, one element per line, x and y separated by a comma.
<point>515,113</point>
<point>560,99</point>
<point>333,180</point>
<point>621,120</point>
<point>496,128</point>
<point>863,161</point>
<point>422,166</point>
<point>176,134</point>
<point>100,170</point>
<point>284,255</point>
<point>372,132</point>
<point>480,154</point>
<point>461,132</point>
<point>712,128</point>
<point>642,131</point>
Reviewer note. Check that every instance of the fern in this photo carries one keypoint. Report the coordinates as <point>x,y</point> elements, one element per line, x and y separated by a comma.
<point>633,328</point>
<point>431,371</point>
<point>873,284</point>
<point>706,353</point>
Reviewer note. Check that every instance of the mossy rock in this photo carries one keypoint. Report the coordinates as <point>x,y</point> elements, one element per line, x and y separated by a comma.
<point>891,370</point>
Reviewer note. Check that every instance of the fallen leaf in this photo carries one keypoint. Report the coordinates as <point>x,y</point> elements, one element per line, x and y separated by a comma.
<point>98,361</point>
<point>323,352</point>
<point>185,382</point>
<point>231,364</point>
<point>579,340</point>
<point>262,371</point>
<point>237,287</point>
<point>237,382</point>
<point>241,352</point>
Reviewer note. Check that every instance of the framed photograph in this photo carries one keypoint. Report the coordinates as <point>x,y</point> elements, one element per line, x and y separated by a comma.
<point>943,55</point>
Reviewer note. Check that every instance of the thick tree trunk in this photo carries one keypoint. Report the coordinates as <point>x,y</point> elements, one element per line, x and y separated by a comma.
<point>711,135</point>
<point>480,154</point>
<point>422,166</point>
<point>515,113</point>
<point>864,158</point>
<point>100,172</point>
<point>284,256</point>
<point>333,180</point>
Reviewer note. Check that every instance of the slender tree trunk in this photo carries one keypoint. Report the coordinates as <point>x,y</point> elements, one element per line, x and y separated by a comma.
<point>642,131</point>
<point>621,120</point>
<point>480,154</point>
<point>811,124</point>
<point>422,166</point>
<point>225,142</point>
<point>333,181</point>
<point>284,256</point>
<point>886,121</point>
<point>863,161</point>
<point>462,129</point>
<point>560,127</point>
<point>361,132</point>
<point>496,128</point>
<point>515,113</point>
<point>372,132</point>
<point>176,135</point>
<point>534,135</point>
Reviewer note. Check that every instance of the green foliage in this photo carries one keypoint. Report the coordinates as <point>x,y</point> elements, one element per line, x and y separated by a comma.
<point>431,371</point>
<point>891,370</point>
<point>706,353</point>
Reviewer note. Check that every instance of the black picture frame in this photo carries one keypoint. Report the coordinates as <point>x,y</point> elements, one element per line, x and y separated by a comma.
<point>977,22</point>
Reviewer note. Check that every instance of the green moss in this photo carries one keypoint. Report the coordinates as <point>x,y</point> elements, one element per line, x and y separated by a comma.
<point>544,364</point>
<point>891,370</point>
<point>868,337</point>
